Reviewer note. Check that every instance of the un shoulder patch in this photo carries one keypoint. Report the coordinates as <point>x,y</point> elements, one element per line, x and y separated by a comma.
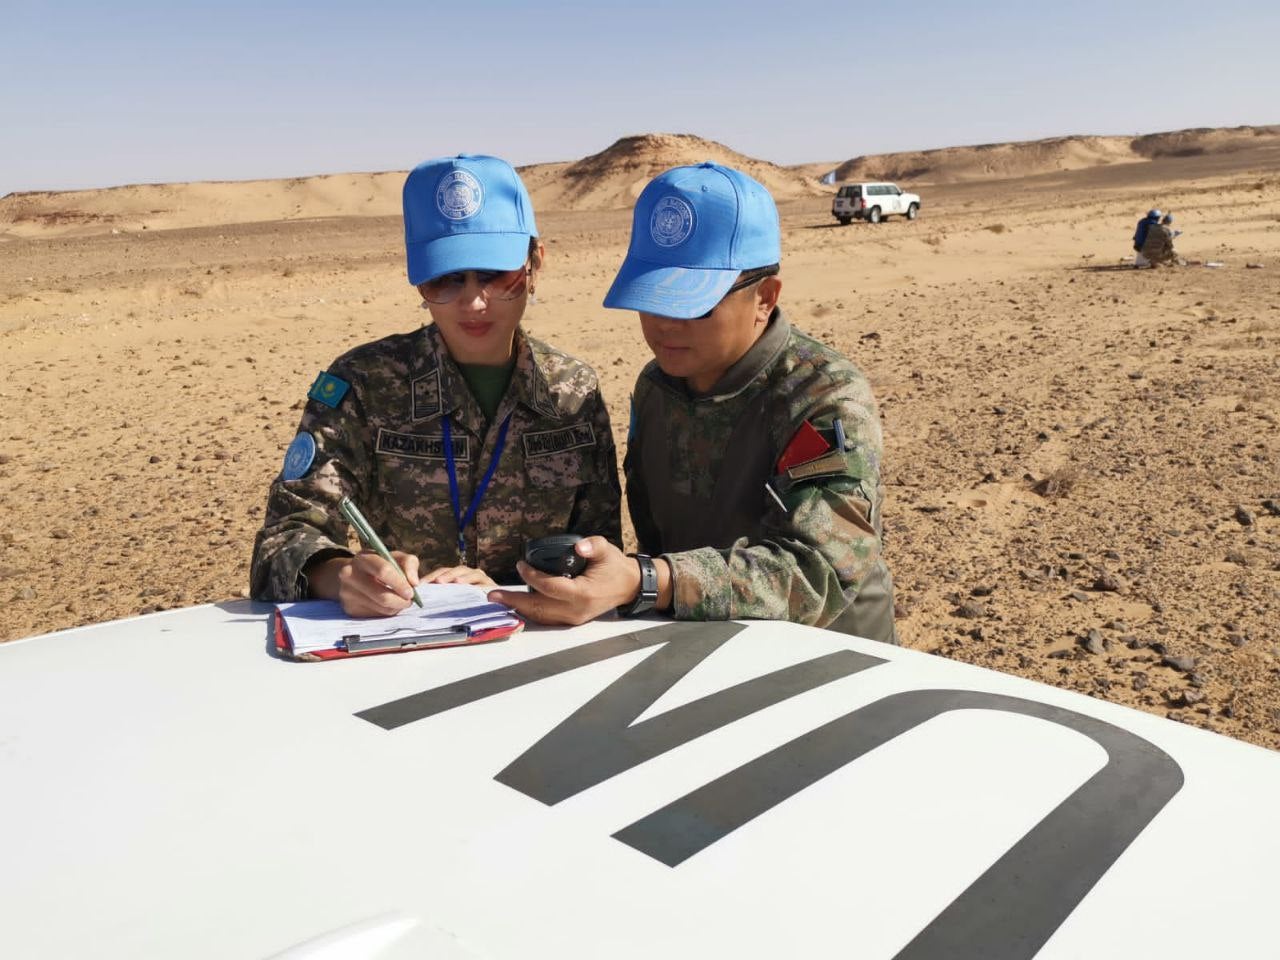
<point>299,457</point>
<point>329,390</point>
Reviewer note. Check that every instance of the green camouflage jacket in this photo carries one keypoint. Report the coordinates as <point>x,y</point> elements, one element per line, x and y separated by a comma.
<point>376,421</point>
<point>697,469</point>
<point>1158,247</point>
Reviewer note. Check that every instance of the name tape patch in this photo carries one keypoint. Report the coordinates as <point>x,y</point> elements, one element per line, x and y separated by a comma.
<point>548,442</point>
<point>421,447</point>
<point>830,465</point>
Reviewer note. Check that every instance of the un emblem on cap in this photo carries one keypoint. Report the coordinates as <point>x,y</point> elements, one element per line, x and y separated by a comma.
<point>671,222</point>
<point>459,195</point>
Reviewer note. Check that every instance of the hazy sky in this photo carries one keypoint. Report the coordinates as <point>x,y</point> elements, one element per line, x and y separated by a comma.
<point>99,94</point>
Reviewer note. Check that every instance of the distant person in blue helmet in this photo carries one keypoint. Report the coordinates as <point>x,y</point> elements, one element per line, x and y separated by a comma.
<point>753,460</point>
<point>1157,245</point>
<point>459,440</point>
<point>1140,236</point>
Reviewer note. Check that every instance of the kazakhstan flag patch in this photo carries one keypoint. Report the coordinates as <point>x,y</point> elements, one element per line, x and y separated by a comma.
<point>329,390</point>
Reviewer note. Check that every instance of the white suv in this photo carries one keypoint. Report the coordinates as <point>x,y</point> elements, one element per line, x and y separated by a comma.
<point>873,202</point>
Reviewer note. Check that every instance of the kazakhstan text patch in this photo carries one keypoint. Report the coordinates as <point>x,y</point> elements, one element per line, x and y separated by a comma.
<point>329,390</point>
<point>546,442</point>
<point>421,447</point>
<point>299,457</point>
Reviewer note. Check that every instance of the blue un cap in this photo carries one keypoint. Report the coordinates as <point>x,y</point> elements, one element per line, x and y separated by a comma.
<point>694,230</point>
<point>465,213</point>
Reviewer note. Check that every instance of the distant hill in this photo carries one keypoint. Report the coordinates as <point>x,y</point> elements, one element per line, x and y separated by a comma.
<point>608,180</point>
<point>997,161</point>
<point>168,206</point>
<point>614,177</point>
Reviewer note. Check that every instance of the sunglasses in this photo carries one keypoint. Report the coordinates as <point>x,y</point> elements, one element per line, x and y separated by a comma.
<point>493,284</point>
<point>749,278</point>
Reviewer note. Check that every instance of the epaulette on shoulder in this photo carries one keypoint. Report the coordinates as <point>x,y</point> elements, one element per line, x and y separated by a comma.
<point>563,369</point>
<point>394,346</point>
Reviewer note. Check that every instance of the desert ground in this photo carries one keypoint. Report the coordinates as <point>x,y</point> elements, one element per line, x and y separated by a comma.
<point>1082,462</point>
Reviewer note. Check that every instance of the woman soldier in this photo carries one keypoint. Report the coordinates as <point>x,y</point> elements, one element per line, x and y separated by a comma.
<point>459,441</point>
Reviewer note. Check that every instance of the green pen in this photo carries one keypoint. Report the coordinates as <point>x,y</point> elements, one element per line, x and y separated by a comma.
<point>371,539</point>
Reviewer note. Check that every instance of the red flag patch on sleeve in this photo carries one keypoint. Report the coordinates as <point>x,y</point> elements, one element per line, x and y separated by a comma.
<point>804,446</point>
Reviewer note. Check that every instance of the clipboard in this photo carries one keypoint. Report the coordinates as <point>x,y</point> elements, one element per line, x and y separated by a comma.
<point>398,641</point>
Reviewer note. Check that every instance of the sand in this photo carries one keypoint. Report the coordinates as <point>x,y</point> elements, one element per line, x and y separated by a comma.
<point>989,161</point>
<point>1081,462</point>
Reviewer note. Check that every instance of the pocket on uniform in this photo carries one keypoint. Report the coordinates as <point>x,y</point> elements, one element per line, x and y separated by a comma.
<point>408,479</point>
<point>569,469</point>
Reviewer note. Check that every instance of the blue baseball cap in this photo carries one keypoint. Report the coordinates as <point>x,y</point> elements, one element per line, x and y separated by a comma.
<point>695,229</point>
<point>465,213</point>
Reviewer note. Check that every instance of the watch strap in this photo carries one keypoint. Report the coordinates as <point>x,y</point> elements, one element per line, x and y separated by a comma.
<point>647,598</point>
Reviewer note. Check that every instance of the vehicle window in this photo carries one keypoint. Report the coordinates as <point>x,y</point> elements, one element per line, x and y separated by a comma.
<point>878,191</point>
<point>897,191</point>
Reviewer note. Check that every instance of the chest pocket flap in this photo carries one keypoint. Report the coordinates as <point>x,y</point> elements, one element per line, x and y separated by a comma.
<point>561,457</point>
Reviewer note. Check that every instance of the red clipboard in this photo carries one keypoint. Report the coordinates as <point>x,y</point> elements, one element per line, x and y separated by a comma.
<point>284,645</point>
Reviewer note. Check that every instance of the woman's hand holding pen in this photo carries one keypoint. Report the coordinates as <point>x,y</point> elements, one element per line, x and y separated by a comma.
<point>366,585</point>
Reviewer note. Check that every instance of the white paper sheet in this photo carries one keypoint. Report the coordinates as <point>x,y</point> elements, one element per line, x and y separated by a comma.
<point>321,624</point>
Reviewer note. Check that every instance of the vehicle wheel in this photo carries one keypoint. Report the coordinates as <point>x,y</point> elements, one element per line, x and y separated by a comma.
<point>912,211</point>
<point>844,221</point>
<point>873,215</point>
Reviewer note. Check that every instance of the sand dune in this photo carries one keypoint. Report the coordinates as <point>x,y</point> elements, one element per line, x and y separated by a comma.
<point>168,206</point>
<point>991,161</point>
<point>613,178</point>
<point>1202,140</point>
<point>996,161</point>
<point>608,180</point>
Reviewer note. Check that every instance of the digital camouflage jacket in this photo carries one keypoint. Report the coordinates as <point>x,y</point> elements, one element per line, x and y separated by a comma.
<point>376,419</point>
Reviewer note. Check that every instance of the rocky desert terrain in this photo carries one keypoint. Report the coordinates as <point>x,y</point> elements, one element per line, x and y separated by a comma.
<point>1082,461</point>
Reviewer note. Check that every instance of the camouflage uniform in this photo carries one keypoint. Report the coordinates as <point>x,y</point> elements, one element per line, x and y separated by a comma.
<point>1158,245</point>
<point>696,471</point>
<point>382,446</point>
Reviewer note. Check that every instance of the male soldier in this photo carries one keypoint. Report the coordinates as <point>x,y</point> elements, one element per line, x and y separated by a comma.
<point>1157,246</point>
<point>1140,236</point>
<point>753,466</point>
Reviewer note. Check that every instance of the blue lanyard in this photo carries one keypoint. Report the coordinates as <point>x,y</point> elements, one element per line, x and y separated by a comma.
<point>480,488</point>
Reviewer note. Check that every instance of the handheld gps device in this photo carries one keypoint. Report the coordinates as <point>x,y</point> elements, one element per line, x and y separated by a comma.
<point>555,554</point>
